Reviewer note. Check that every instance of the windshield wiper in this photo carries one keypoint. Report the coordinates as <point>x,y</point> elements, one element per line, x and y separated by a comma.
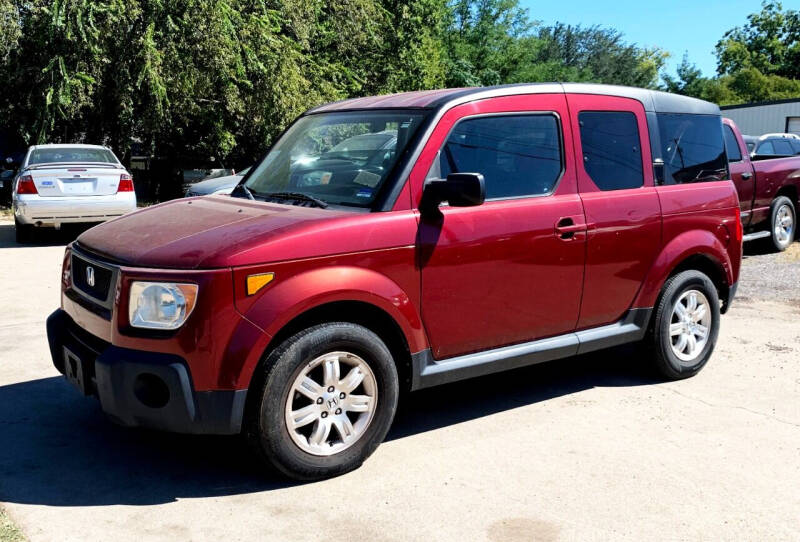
<point>304,199</point>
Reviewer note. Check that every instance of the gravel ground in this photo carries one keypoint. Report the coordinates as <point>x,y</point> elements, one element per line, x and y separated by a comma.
<point>770,276</point>
<point>589,448</point>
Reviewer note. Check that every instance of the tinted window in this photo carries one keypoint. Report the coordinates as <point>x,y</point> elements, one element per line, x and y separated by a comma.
<point>612,154</point>
<point>732,145</point>
<point>782,147</point>
<point>518,155</point>
<point>766,149</point>
<point>796,146</point>
<point>693,148</point>
<point>50,155</point>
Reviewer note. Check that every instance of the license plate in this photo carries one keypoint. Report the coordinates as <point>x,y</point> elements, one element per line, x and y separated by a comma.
<point>73,370</point>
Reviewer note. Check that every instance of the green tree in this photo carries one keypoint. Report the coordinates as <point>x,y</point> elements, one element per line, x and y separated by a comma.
<point>769,43</point>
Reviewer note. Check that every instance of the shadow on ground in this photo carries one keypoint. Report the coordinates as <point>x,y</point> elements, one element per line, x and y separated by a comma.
<point>59,450</point>
<point>43,236</point>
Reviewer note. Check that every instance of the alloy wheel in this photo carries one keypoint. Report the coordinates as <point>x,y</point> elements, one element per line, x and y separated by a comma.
<point>331,403</point>
<point>690,325</point>
<point>784,224</point>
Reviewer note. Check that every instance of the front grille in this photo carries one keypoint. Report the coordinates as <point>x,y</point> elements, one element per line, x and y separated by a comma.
<point>93,279</point>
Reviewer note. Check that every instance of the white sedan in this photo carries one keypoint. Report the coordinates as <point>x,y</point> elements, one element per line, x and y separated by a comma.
<point>58,184</point>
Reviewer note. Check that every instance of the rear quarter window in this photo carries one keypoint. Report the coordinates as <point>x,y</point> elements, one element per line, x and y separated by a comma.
<point>693,148</point>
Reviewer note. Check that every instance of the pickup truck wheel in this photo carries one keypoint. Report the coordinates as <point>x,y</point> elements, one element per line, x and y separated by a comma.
<point>328,398</point>
<point>783,220</point>
<point>685,326</point>
<point>23,233</point>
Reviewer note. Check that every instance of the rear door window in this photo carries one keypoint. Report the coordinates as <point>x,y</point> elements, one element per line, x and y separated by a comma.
<point>766,149</point>
<point>518,155</point>
<point>693,148</point>
<point>782,147</point>
<point>732,145</point>
<point>612,154</point>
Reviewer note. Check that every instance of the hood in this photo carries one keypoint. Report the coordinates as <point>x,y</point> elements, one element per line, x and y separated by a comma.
<point>212,185</point>
<point>202,233</point>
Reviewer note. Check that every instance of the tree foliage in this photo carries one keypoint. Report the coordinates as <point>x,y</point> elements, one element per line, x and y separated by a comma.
<point>756,62</point>
<point>194,79</point>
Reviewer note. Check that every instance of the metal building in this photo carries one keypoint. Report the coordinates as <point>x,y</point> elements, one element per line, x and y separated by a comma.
<point>766,117</point>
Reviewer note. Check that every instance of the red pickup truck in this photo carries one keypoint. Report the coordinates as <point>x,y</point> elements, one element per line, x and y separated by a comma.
<point>768,190</point>
<point>406,241</point>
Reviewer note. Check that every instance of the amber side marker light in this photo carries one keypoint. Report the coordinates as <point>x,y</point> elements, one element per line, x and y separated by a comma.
<point>256,282</point>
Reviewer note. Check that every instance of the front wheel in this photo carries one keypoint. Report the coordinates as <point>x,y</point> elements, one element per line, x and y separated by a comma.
<point>685,326</point>
<point>783,219</point>
<point>328,397</point>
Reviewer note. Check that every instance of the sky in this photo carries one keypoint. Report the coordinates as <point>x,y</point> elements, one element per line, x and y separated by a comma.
<point>677,26</point>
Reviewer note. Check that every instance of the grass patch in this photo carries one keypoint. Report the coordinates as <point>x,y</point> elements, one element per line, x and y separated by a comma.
<point>8,531</point>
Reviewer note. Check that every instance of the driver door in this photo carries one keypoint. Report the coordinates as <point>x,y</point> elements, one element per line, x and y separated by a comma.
<point>510,270</point>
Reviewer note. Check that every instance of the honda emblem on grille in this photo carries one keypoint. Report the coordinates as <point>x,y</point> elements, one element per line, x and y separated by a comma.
<point>90,276</point>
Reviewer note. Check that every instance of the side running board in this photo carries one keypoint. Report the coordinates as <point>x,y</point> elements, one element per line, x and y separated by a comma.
<point>427,371</point>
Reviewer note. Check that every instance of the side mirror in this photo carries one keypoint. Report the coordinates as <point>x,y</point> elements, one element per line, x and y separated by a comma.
<point>459,190</point>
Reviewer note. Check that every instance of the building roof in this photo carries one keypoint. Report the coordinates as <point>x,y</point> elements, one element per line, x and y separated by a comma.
<point>652,100</point>
<point>761,104</point>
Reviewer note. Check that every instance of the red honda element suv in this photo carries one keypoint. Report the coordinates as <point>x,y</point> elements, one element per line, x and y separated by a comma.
<point>407,241</point>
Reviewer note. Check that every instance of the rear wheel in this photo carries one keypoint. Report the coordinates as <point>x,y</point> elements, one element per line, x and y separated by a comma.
<point>685,326</point>
<point>783,219</point>
<point>328,397</point>
<point>23,232</point>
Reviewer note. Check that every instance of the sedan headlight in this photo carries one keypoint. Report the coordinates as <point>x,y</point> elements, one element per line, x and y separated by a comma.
<point>160,305</point>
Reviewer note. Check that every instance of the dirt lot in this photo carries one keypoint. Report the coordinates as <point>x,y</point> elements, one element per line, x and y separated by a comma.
<point>585,449</point>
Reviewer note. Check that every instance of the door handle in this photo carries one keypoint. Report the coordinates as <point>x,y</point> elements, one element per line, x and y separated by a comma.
<point>566,228</point>
<point>747,176</point>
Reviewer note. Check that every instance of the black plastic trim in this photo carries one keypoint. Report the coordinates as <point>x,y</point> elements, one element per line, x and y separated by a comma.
<point>726,303</point>
<point>111,373</point>
<point>427,372</point>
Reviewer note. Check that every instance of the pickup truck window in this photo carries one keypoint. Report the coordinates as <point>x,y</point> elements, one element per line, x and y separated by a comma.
<point>731,145</point>
<point>693,148</point>
<point>518,155</point>
<point>335,158</point>
<point>612,153</point>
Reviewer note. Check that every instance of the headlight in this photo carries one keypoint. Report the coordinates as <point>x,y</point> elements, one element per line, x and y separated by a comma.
<point>160,305</point>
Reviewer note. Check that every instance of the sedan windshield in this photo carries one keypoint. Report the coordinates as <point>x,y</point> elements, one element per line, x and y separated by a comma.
<point>334,158</point>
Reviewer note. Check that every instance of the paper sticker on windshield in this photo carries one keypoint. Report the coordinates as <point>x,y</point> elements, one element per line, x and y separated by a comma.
<point>364,193</point>
<point>366,178</point>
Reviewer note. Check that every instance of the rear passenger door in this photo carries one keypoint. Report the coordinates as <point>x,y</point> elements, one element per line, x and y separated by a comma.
<point>623,215</point>
<point>510,270</point>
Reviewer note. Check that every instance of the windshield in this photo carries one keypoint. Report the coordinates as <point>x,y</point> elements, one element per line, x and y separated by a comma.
<point>53,155</point>
<point>338,158</point>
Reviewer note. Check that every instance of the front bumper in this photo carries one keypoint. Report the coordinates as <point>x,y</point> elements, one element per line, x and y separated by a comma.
<point>137,388</point>
<point>34,209</point>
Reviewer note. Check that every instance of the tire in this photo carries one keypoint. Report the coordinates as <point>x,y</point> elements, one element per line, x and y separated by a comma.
<point>23,233</point>
<point>293,451</point>
<point>669,359</point>
<point>783,223</point>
